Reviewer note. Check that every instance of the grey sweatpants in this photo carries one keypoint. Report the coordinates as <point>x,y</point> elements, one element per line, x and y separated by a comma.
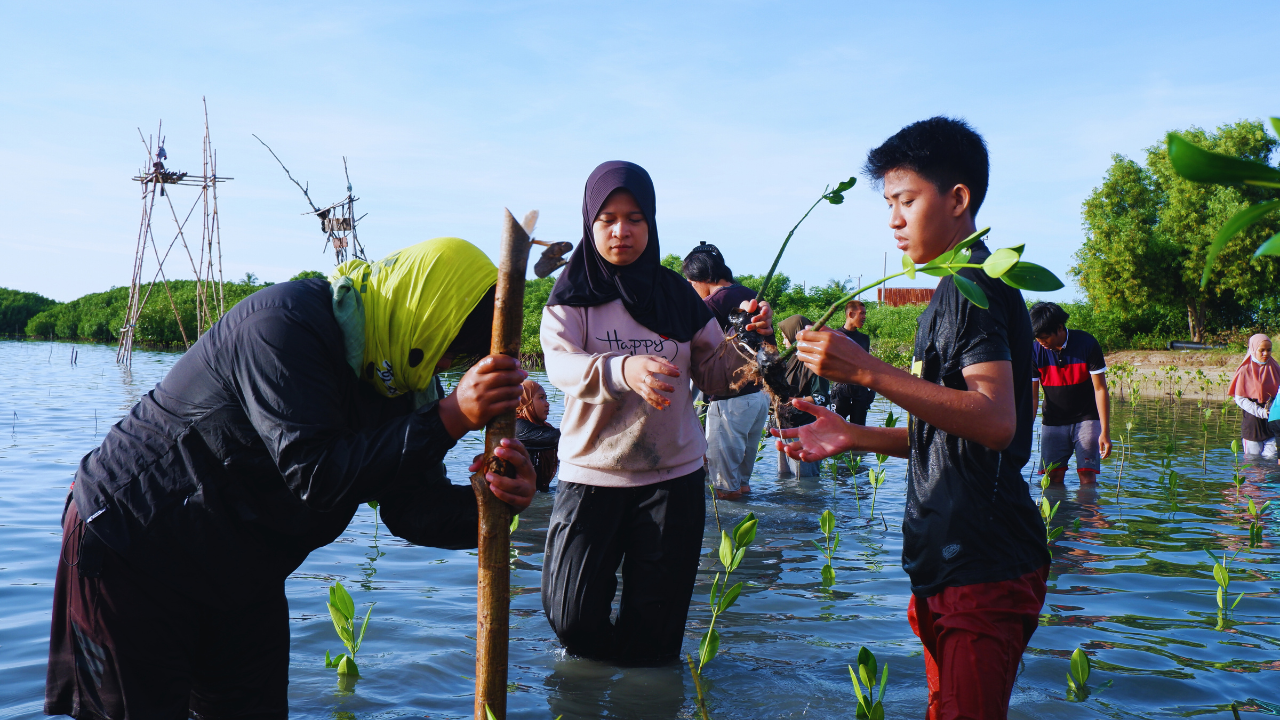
<point>733,436</point>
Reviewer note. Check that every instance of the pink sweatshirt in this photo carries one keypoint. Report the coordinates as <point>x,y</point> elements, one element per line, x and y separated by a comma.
<point>610,436</point>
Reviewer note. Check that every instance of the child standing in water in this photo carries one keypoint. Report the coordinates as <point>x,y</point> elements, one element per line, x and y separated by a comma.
<point>622,336</point>
<point>538,436</point>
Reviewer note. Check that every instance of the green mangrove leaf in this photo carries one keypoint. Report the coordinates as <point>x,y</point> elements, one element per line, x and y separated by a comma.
<point>1212,557</point>
<point>745,531</point>
<point>1231,228</point>
<point>890,420</point>
<point>339,596</point>
<point>1220,574</point>
<point>737,559</point>
<point>1237,602</point>
<point>970,290</point>
<point>1199,165</point>
<point>488,714</point>
<point>884,677</point>
<point>726,549</point>
<point>1220,597</point>
<point>364,626</point>
<point>877,712</point>
<point>1252,510</point>
<point>332,663</point>
<point>827,521</point>
<point>708,647</point>
<point>715,590</point>
<point>1235,448</point>
<point>857,689</point>
<point>1071,684</point>
<point>965,243</point>
<point>867,659</point>
<point>347,666</point>
<point>730,597</point>
<point>835,544</point>
<point>934,271</point>
<point>1054,533</point>
<point>909,266</point>
<point>515,523</point>
<point>815,544</point>
<point>1030,276</point>
<point>846,185</point>
<point>999,262</point>
<point>1270,247</point>
<point>828,575</point>
<point>1080,666</point>
<point>340,623</point>
<point>836,197</point>
<point>373,504</point>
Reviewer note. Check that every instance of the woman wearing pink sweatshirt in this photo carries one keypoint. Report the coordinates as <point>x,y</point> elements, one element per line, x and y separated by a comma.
<point>623,335</point>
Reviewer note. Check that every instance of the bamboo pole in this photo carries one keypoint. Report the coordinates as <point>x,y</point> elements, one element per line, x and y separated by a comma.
<point>493,587</point>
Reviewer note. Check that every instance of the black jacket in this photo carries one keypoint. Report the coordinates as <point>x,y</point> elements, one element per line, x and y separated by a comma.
<point>259,446</point>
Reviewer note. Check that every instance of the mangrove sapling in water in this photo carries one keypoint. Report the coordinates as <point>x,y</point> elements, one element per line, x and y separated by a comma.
<point>732,550</point>
<point>1204,445</point>
<point>1077,676</point>
<point>1255,523</point>
<point>1046,512</point>
<point>1236,476</point>
<point>870,707</point>
<point>878,475</point>
<point>830,542</point>
<point>854,462</point>
<point>342,609</point>
<point>1223,578</point>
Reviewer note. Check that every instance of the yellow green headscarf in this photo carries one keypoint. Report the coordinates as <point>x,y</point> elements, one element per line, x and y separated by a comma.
<point>416,298</point>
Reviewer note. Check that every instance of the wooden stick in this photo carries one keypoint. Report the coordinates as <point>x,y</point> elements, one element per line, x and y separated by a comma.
<point>493,587</point>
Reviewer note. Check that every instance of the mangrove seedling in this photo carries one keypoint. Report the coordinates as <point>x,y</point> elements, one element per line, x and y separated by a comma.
<point>870,707</point>
<point>342,609</point>
<point>732,550</point>
<point>1236,476</point>
<point>878,475</point>
<point>835,197</point>
<point>1255,522</point>
<point>1077,676</point>
<point>1223,578</point>
<point>830,542</point>
<point>1204,445</point>
<point>854,462</point>
<point>1046,512</point>
<point>374,504</point>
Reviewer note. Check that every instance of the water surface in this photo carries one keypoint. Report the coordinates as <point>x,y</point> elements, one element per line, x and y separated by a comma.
<point>1131,585</point>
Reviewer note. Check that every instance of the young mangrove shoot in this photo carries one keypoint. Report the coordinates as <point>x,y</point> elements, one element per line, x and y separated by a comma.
<point>878,475</point>
<point>870,707</point>
<point>1223,578</point>
<point>830,542</point>
<point>835,197</point>
<point>1046,512</point>
<point>1077,676</point>
<point>732,550</point>
<point>342,609</point>
<point>1255,522</point>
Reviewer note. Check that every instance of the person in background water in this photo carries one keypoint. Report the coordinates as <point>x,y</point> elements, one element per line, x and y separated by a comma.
<point>1077,406</point>
<point>853,401</point>
<point>804,384</point>
<point>1254,388</point>
<point>972,539</point>
<point>735,420</point>
<point>618,330</point>
<point>305,401</point>
<point>538,436</point>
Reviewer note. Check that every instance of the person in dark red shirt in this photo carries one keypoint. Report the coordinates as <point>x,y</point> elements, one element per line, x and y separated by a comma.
<point>1077,408</point>
<point>734,422</point>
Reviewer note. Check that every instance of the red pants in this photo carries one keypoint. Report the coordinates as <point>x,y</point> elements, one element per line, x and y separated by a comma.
<point>973,639</point>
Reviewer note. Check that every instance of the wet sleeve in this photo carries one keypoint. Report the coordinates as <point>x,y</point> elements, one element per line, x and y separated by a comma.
<point>594,378</point>
<point>289,386</point>
<point>1095,360</point>
<point>983,333</point>
<point>714,364</point>
<point>431,511</point>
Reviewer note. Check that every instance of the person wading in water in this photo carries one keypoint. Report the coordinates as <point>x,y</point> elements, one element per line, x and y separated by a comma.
<point>306,400</point>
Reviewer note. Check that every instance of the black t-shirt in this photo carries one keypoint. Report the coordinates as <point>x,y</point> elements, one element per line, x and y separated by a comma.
<point>1067,377</point>
<point>849,398</point>
<point>969,517</point>
<point>722,302</point>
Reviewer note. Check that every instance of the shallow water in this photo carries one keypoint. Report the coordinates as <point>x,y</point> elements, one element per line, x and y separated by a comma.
<point>1132,585</point>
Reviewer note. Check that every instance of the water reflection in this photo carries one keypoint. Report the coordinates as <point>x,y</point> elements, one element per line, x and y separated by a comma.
<point>580,688</point>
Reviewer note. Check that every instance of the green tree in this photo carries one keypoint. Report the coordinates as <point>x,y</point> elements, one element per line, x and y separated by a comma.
<point>673,261</point>
<point>308,274</point>
<point>17,307</point>
<point>1148,232</point>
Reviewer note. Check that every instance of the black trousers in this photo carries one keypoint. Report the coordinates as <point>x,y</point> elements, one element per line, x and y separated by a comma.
<point>125,645</point>
<point>655,533</point>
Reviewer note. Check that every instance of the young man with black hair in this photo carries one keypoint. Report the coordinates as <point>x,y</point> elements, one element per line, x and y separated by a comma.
<point>853,401</point>
<point>734,422</point>
<point>973,542</point>
<point>1077,408</point>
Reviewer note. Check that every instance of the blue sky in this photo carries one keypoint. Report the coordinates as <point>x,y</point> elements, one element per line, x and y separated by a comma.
<point>741,112</point>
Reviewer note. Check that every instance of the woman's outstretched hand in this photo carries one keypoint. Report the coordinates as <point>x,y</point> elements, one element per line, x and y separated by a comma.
<point>762,321</point>
<point>487,390</point>
<point>517,491</point>
<point>828,435</point>
<point>644,373</point>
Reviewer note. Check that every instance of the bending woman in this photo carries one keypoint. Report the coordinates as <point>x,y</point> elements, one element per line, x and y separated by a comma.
<point>304,401</point>
<point>622,336</point>
<point>1254,388</point>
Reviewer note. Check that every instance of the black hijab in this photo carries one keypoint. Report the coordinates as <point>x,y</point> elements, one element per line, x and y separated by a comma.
<point>655,296</point>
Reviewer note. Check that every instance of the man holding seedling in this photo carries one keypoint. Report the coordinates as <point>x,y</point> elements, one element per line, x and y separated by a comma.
<point>973,542</point>
<point>1077,409</point>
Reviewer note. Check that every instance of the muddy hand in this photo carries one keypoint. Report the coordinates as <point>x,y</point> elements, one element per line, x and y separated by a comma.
<point>828,435</point>
<point>517,491</point>
<point>762,321</point>
<point>487,390</point>
<point>644,373</point>
<point>832,355</point>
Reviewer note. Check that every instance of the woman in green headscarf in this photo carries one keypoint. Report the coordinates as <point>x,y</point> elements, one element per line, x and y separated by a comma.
<point>306,400</point>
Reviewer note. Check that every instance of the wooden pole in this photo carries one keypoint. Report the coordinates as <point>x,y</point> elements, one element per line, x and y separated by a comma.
<point>493,587</point>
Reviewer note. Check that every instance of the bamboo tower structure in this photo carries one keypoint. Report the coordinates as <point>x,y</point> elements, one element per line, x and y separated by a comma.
<point>205,262</point>
<point>338,221</point>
